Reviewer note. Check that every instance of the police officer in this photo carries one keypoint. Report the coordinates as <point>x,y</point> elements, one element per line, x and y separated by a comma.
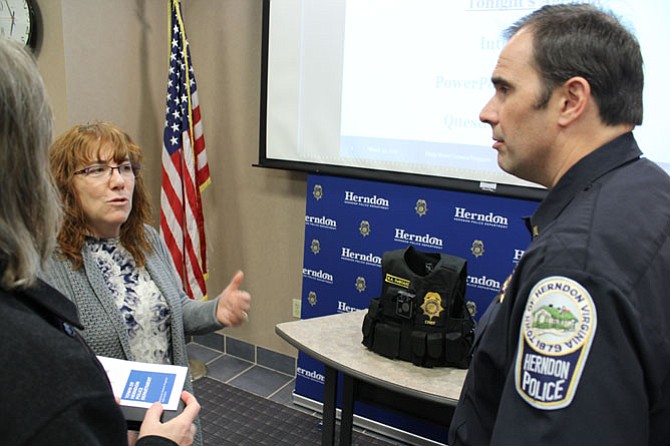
<point>577,349</point>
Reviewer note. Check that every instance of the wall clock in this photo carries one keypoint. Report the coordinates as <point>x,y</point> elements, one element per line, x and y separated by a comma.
<point>17,21</point>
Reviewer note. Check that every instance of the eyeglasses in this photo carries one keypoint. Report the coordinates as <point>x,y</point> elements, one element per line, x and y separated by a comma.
<point>99,171</point>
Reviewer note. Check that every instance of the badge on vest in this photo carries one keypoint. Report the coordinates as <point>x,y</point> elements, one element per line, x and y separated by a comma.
<point>432,307</point>
<point>557,330</point>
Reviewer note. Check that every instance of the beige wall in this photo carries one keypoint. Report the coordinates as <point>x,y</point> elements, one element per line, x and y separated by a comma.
<point>107,60</point>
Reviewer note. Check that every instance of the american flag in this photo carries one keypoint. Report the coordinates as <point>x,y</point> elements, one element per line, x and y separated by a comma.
<point>185,170</point>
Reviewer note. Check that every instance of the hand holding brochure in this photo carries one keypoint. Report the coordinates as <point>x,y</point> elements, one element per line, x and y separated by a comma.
<point>139,385</point>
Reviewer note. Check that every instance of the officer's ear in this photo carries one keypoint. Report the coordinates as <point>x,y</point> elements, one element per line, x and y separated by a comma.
<point>574,98</point>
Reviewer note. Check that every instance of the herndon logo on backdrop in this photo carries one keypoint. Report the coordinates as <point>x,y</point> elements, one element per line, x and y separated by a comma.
<point>343,307</point>
<point>369,259</point>
<point>425,240</point>
<point>319,275</point>
<point>484,283</point>
<point>518,253</point>
<point>311,375</point>
<point>365,201</point>
<point>321,222</point>
<point>489,219</point>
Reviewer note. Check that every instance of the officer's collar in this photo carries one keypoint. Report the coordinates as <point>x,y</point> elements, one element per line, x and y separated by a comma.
<point>581,176</point>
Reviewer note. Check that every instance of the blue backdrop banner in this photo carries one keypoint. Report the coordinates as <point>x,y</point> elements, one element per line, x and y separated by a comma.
<point>350,223</point>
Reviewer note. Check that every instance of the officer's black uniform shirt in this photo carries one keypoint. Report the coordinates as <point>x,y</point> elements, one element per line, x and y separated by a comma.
<point>578,351</point>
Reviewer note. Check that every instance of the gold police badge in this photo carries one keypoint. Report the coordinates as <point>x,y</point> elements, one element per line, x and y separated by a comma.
<point>432,306</point>
<point>364,228</point>
<point>360,284</point>
<point>421,207</point>
<point>317,192</point>
<point>472,307</point>
<point>477,248</point>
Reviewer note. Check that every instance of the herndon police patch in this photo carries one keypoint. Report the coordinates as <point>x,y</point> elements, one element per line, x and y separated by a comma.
<point>557,330</point>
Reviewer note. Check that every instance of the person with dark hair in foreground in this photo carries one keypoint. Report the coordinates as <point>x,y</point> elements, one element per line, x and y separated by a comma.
<point>54,390</point>
<point>576,349</point>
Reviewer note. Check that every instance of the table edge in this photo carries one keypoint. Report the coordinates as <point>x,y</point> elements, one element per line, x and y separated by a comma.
<point>361,376</point>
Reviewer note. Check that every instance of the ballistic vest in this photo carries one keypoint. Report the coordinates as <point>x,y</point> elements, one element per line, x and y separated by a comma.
<point>421,315</point>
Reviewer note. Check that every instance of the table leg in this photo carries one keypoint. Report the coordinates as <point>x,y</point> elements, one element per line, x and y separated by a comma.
<point>329,407</point>
<point>347,420</point>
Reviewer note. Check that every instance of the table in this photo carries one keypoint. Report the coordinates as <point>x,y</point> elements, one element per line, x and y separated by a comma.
<point>335,341</point>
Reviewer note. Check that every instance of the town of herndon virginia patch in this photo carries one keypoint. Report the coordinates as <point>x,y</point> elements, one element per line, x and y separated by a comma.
<point>557,329</point>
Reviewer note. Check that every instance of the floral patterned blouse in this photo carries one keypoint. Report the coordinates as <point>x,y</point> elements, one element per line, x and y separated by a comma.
<point>142,306</point>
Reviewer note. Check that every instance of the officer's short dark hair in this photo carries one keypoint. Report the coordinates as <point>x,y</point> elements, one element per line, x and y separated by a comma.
<point>582,40</point>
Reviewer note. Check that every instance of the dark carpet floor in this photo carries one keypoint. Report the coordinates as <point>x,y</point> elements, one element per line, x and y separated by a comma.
<point>230,416</point>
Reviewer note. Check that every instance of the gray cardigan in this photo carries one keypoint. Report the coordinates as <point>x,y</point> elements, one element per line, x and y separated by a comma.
<point>105,331</point>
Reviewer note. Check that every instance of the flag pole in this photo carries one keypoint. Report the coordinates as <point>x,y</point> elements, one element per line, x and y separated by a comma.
<point>185,172</point>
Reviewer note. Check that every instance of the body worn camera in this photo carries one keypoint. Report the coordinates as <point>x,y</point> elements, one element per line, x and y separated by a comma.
<point>405,304</point>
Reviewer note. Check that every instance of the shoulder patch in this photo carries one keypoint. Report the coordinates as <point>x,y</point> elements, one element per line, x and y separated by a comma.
<point>556,333</point>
